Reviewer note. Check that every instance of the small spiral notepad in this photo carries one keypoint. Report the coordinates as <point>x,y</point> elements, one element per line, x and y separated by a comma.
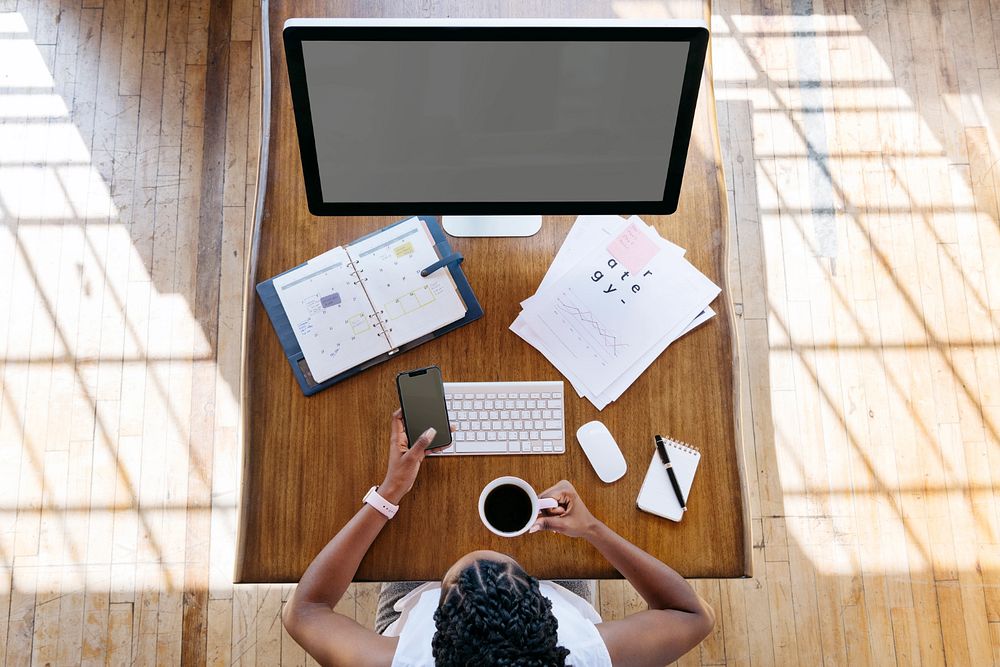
<point>656,495</point>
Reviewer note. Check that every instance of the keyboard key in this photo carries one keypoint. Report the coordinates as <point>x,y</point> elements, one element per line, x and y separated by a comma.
<point>536,414</point>
<point>477,405</point>
<point>559,447</point>
<point>533,435</point>
<point>480,395</point>
<point>502,435</point>
<point>480,435</point>
<point>518,425</point>
<point>555,404</point>
<point>551,435</point>
<point>505,414</point>
<point>483,414</point>
<point>546,446</point>
<point>481,447</point>
<point>491,435</point>
<point>501,395</point>
<point>508,426</point>
<point>519,404</point>
<point>535,394</point>
<point>494,414</point>
<point>491,395</point>
<point>488,405</point>
<point>552,424</point>
<point>546,394</point>
<point>530,404</point>
<point>557,414</point>
<point>536,447</point>
<point>474,426</point>
<point>514,446</point>
<point>546,414</point>
<point>466,405</point>
<point>508,404</point>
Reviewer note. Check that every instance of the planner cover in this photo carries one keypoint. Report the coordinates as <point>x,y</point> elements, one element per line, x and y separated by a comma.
<point>356,305</point>
<point>657,494</point>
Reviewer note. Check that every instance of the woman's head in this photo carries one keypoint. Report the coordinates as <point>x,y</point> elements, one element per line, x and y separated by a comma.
<point>493,613</point>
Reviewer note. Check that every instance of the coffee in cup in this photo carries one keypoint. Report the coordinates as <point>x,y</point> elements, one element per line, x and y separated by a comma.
<point>508,506</point>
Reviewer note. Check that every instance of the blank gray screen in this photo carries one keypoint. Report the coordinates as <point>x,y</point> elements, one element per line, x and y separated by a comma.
<point>493,121</point>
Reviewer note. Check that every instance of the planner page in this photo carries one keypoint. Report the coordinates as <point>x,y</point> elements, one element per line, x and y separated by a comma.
<point>330,314</point>
<point>408,304</point>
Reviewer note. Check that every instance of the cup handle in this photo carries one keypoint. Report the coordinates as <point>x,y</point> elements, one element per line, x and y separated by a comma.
<point>547,503</point>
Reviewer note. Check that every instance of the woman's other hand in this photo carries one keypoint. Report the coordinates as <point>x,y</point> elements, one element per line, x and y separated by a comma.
<point>570,518</point>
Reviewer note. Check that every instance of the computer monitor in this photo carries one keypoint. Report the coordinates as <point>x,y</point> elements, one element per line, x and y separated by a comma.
<point>492,123</point>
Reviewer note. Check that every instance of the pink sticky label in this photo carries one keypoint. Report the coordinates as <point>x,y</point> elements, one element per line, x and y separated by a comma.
<point>633,248</point>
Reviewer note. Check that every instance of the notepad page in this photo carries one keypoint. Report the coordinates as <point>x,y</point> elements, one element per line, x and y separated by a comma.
<point>657,494</point>
<point>408,304</point>
<point>330,314</point>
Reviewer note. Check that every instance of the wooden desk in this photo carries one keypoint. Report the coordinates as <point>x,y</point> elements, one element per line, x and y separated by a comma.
<point>308,461</point>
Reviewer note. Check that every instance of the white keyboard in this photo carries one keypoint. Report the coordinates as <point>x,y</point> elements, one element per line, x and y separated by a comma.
<point>505,418</point>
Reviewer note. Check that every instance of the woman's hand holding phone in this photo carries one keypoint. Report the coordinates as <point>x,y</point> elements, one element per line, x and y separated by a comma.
<point>404,461</point>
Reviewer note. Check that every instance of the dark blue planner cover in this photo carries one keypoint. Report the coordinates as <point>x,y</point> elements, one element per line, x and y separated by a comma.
<point>272,304</point>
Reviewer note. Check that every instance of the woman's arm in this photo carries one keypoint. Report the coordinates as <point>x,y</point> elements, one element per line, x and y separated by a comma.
<point>677,620</point>
<point>329,637</point>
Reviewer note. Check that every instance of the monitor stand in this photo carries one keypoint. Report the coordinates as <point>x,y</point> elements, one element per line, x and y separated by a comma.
<point>491,225</point>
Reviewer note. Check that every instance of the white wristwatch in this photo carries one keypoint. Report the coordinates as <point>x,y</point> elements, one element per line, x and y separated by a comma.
<point>380,503</point>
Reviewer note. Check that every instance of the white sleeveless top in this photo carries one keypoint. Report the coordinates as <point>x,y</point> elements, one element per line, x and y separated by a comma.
<point>577,631</point>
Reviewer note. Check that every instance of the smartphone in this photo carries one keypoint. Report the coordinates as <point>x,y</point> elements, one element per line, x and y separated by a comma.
<point>421,395</point>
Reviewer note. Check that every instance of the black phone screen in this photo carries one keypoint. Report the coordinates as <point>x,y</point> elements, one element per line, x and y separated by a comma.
<point>421,395</point>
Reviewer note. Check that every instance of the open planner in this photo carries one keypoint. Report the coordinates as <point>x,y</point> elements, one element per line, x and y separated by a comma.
<point>356,305</point>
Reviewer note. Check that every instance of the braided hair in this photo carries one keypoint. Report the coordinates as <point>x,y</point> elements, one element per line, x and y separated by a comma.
<point>494,615</point>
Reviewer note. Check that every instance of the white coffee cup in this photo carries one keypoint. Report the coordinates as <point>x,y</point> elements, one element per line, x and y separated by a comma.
<point>537,504</point>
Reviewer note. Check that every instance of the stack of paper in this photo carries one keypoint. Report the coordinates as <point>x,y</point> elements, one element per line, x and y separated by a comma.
<point>616,295</point>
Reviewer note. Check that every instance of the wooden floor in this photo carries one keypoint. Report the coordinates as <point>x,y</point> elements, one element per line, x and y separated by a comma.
<point>862,153</point>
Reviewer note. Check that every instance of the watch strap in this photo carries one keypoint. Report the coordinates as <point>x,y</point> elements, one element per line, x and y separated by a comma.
<point>379,503</point>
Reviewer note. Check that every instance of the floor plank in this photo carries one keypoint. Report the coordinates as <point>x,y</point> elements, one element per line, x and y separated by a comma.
<point>860,146</point>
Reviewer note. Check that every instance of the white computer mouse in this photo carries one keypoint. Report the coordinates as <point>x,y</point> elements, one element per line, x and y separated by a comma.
<point>602,451</point>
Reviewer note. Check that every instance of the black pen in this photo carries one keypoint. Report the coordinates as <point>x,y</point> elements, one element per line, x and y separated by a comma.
<point>661,448</point>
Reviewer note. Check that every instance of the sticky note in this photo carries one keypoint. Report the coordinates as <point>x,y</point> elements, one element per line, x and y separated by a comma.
<point>633,248</point>
<point>403,249</point>
<point>330,300</point>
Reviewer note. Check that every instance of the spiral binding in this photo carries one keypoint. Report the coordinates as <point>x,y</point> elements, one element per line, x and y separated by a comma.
<point>381,325</point>
<point>683,446</point>
<point>383,329</point>
<point>357,274</point>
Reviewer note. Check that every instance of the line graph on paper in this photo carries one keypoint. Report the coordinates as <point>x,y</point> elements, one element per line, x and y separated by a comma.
<point>584,321</point>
